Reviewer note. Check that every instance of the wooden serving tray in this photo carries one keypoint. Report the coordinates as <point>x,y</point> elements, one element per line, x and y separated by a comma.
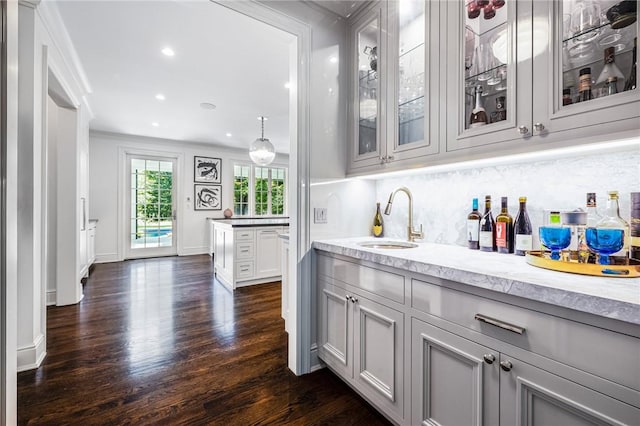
<point>542,260</point>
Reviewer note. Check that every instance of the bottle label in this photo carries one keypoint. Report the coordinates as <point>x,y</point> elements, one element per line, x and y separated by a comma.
<point>473,229</point>
<point>486,239</point>
<point>501,234</point>
<point>524,242</point>
<point>377,230</point>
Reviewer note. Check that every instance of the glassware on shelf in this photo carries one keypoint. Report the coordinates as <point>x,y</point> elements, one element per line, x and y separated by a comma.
<point>555,238</point>
<point>623,14</point>
<point>482,59</point>
<point>585,20</point>
<point>500,114</point>
<point>605,242</point>
<point>610,71</point>
<point>631,81</point>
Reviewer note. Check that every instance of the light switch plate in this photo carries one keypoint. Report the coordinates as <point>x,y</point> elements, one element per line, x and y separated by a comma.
<point>319,215</point>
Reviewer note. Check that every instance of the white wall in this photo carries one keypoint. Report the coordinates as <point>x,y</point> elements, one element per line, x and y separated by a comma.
<point>106,169</point>
<point>442,200</point>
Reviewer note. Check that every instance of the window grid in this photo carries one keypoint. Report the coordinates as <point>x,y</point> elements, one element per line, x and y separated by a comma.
<point>260,191</point>
<point>241,177</point>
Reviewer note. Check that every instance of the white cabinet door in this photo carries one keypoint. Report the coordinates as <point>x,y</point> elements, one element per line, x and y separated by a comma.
<point>454,381</point>
<point>335,340</point>
<point>267,254</point>
<point>378,354</point>
<point>91,244</point>
<point>534,397</point>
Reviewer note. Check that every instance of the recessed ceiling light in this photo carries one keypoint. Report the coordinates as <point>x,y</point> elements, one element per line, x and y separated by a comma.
<point>160,97</point>
<point>287,85</point>
<point>333,59</point>
<point>167,51</point>
<point>207,105</point>
<point>155,124</point>
<point>229,135</point>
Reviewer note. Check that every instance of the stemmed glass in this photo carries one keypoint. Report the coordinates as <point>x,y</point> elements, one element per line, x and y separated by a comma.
<point>555,238</point>
<point>605,242</point>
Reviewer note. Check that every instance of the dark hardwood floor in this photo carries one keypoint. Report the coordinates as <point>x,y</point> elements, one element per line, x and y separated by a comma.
<point>158,341</point>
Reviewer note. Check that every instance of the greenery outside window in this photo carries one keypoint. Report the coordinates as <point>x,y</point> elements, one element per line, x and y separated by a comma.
<point>259,191</point>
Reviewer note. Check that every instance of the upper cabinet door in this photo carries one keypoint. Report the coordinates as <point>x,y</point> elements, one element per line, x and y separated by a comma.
<point>489,72</point>
<point>584,73</point>
<point>368,48</point>
<point>413,88</point>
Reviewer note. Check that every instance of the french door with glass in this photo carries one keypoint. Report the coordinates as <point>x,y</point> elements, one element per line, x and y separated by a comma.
<point>151,228</point>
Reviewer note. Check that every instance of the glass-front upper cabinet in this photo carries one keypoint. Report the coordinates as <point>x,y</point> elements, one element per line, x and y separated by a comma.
<point>367,52</point>
<point>592,60</point>
<point>488,65</point>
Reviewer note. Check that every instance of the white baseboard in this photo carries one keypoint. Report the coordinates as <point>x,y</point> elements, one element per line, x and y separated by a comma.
<point>30,357</point>
<point>316,363</point>
<point>51,297</point>
<point>107,258</point>
<point>190,251</point>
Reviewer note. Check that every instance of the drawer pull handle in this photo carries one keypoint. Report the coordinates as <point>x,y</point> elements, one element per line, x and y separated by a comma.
<point>348,297</point>
<point>354,299</point>
<point>506,365</point>
<point>504,325</point>
<point>489,358</point>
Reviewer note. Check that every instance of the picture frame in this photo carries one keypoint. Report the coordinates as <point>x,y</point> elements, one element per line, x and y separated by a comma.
<point>207,169</point>
<point>207,197</point>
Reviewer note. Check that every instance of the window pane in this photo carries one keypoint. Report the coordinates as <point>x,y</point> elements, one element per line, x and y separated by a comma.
<point>277,191</point>
<point>241,190</point>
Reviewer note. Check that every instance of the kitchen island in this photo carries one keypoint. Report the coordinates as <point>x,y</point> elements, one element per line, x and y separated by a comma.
<point>413,330</point>
<point>247,251</point>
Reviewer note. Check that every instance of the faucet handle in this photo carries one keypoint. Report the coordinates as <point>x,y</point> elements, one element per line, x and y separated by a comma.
<point>417,235</point>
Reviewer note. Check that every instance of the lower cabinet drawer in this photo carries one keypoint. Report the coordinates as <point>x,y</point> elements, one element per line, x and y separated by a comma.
<point>245,235</point>
<point>244,250</point>
<point>582,346</point>
<point>244,270</point>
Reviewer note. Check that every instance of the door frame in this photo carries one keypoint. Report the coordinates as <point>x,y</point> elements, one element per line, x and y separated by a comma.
<point>124,153</point>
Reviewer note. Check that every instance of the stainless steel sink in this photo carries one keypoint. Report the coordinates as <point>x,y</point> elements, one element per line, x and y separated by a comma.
<point>387,245</point>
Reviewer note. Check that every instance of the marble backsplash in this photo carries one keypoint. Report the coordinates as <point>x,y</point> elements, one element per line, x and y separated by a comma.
<point>442,200</point>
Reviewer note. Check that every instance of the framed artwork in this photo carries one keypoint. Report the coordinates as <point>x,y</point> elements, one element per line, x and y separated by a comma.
<point>207,197</point>
<point>207,170</point>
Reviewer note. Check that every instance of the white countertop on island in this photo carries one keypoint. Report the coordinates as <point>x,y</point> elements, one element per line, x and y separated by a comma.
<point>617,298</point>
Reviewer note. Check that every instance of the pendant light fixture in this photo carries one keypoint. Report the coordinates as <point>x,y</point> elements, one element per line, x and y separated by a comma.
<point>262,151</point>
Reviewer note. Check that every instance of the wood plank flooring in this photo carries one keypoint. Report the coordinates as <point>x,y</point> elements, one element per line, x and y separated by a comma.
<point>159,341</point>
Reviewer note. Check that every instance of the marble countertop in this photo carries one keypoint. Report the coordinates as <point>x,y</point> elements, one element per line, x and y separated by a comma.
<point>617,298</point>
<point>236,223</point>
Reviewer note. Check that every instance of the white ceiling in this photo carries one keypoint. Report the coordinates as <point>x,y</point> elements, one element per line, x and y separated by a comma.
<point>222,57</point>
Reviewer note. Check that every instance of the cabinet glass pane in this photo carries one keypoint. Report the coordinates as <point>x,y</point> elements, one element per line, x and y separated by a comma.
<point>411,75</point>
<point>486,55</point>
<point>368,43</point>
<point>598,49</point>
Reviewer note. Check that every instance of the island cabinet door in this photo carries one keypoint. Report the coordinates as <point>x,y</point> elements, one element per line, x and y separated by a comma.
<point>268,253</point>
<point>335,328</point>
<point>378,353</point>
<point>454,381</point>
<point>534,397</point>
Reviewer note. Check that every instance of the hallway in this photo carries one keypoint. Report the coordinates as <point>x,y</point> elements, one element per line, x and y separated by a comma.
<point>157,341</point>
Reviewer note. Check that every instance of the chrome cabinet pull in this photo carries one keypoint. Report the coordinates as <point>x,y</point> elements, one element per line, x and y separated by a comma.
<point>538,127</point>
<point>501,324</point>
<point>506,365</point>
<point>354,299</point>
<point>523,130</point>
<point>489,358</point>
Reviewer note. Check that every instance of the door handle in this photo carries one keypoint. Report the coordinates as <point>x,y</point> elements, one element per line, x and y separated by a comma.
<point>174,215</point>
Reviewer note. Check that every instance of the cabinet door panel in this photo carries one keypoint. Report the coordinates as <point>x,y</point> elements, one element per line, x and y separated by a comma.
<point>335,328</point>
<point>379,353</point>
<point>267,253</point>
<point>451,382</point>
<point>533,397</point>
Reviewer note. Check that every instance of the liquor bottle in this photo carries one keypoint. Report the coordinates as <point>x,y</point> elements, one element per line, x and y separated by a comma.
<point>610,72</point>
<point>487,236</point>
<point>593,217</point>
<point>522,229</point>
<point>612,220</point>
<point>504,229</point>
<point>378,230</point>
<point>631,81</point>
<point>634,229</point>
<point>566,97</point>
<point>584,85</point>
<point>478,115</point>
<point>473,226</point>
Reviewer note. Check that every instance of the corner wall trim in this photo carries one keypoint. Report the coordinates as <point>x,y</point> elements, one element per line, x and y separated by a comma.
<point>107,258</point>
<point>51,297</point>
<point>30,357</point>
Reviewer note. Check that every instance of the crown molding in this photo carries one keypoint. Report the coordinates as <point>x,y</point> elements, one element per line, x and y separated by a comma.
<point>55,27</point>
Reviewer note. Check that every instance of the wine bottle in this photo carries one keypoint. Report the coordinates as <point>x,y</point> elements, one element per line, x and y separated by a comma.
<point>487,237</point>
<point>631,81</point>
<point>504,229</point>
<point>473,226</point>
<point>378,225</point>
<point>612,220</point>
<point>522,229</point>
<point>584,85</point>
<point>478,115</point>
<point>634,231</point>
<point>593,217</point>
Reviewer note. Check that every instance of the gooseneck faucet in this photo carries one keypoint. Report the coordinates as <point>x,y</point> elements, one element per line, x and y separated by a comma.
<point>412,234</point>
